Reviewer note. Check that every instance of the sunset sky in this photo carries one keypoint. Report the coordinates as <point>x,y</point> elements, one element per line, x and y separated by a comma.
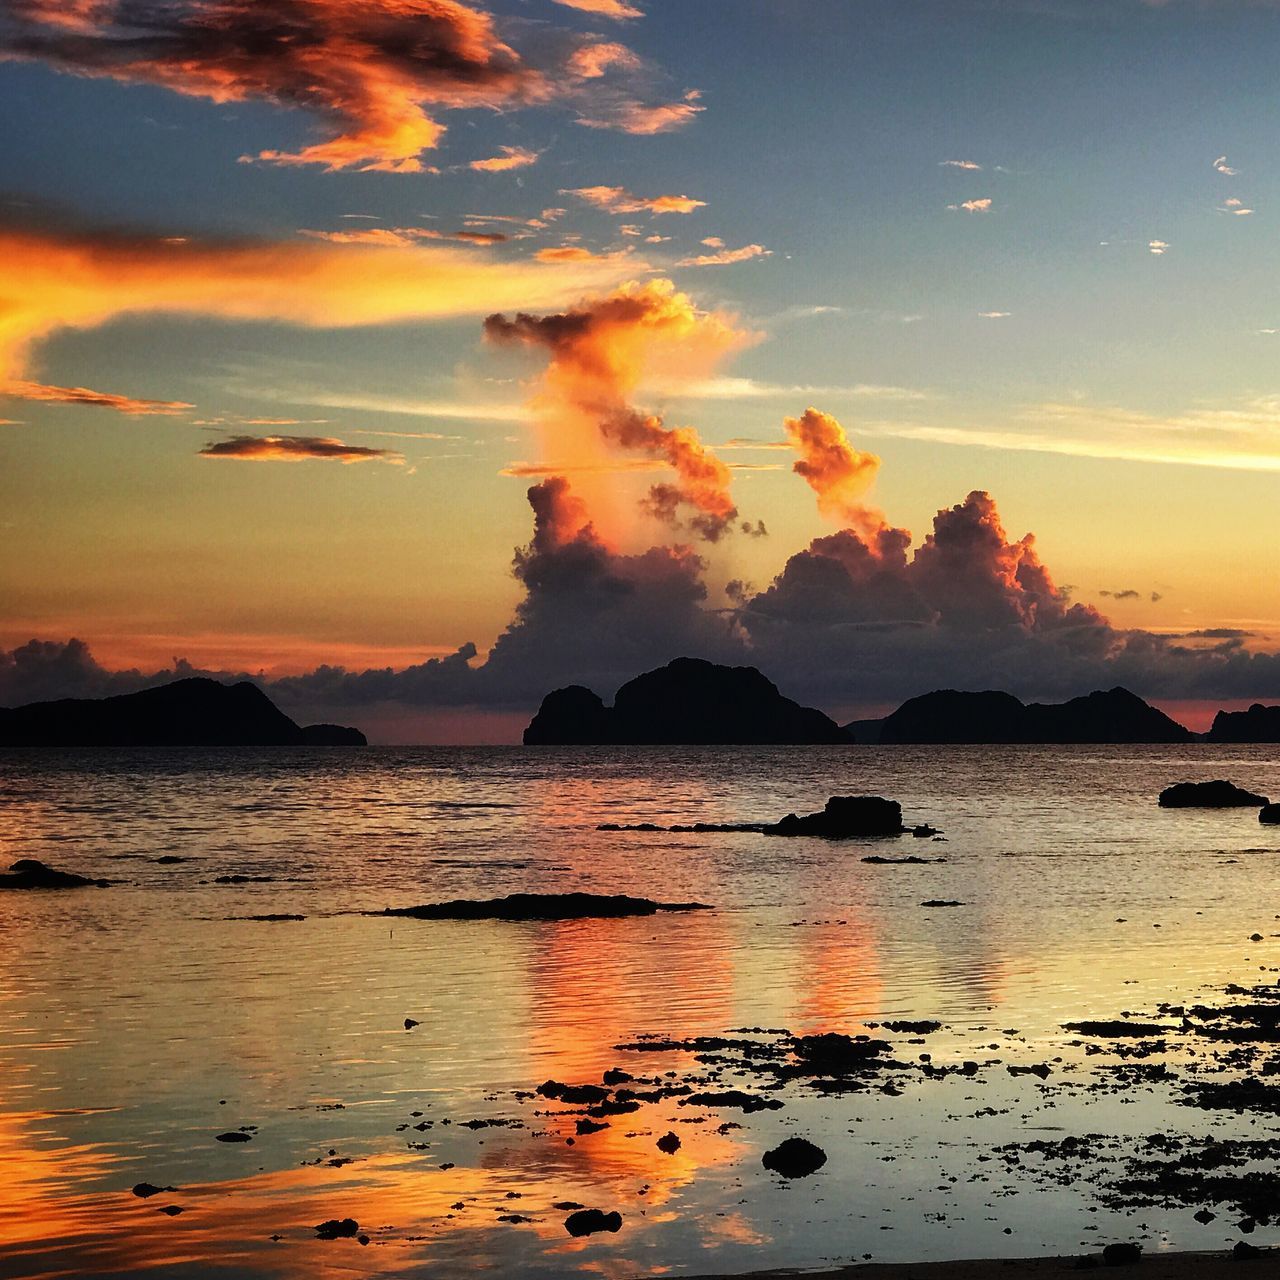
<point>254,417</point>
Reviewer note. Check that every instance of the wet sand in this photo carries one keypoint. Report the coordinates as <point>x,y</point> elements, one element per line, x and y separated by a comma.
<point>1154,1266</point>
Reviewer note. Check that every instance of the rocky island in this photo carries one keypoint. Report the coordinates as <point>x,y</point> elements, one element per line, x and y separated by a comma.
<point>195,712</point>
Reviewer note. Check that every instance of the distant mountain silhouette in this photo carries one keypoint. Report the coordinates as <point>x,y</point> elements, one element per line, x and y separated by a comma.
<point>1258,724</point>
<point>186,713</point>
<point>686,702</point>
<point>950,716</point>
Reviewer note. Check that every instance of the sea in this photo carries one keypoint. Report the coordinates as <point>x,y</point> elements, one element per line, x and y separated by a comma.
<point>141,1022</point>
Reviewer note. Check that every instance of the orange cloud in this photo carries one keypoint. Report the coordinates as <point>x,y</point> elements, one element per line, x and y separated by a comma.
<point>21,389</point>
<point>620,200</point>
<point>376,72</point>
<point>725,257</point>
<point>599,352</point>
<point>574,253</point>
<point>837,472</point>
<point>972,206</point>
<point>296,449</point>
<point>605,8</point>
<point>645,119</point>
<point>592,60</point>
<point>58,282</point>
<point>508,158</point>
<point>370,69</point>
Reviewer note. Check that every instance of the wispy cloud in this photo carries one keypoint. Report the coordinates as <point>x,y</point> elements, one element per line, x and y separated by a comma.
<point>508,158</point>
<point>995,315</point>
<point>620,200</point>
<point>402,237</point>
<point>730,388</point>
<point>1221,165</point>
<point>960,164</point>
<point>726,257</point>
<point>1244,436</point>
<point>646,119</point>
<point>982,205</point>
<point>605,8</point>
<point>20,389</point>
<point>593,60</point>
<point>1158,247</point>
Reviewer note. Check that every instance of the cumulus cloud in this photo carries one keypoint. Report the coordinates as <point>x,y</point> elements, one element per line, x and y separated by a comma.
<point>377,73</point>
<point>725,257</point>
<point>296,449</point>
<point>598,354</point>
<point>508,158</point>
<point>55,281</point>
<point>620,200</point>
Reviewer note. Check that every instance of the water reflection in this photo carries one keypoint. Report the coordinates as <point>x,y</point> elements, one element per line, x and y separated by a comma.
<point>137,1022</point>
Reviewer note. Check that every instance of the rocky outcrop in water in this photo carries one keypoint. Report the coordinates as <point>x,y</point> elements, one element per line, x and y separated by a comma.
<point>844,818</point>
<point>689,701</point>
<point>196,712</point>
<point>1219,794</point>
<point>543,906</point>
<point>794,1158</point>
<point>28,873</point>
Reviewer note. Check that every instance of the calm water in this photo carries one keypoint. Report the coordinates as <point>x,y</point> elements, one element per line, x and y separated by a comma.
<point>139,1021</point>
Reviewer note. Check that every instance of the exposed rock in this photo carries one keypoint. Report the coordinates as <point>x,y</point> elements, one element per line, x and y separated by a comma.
<point>543,906</point>
<point>1219,794</point>
<point>843,818</point>
<point>1121,1255</point>
<point>338,1229</point>
<point>794,1158</point>
<point>669,1143</point>
<point>234,1136</point>
<point>688,701</point>
<point>1270,814</point>
<point>28,873</point>
<point>191,712</point>
<point>587,1222</point>
<point>145,1190</point>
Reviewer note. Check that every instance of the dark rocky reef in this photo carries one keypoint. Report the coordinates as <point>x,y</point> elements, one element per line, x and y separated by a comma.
<point>27,873</point>
<point>195,712</point>
<point>544,906</point>
<point>1219,794</point>
<point>844,818</point>
<point>1258,724</point>
<point>1270,814</point>
<point>952,716</point>
<point>689,701</point>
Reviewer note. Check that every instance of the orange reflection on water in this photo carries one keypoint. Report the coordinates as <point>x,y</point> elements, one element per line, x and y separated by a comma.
<point>839,980</point>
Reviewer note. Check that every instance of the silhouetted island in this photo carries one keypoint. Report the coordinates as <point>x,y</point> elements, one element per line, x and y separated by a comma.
<point>1218,794</point>
<point>1258,724</point>
<point>195,712</point>
<point>951,716</point>
<point>689,701</point>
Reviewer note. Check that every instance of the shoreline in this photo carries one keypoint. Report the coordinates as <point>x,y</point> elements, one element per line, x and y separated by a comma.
<point>1170,1265</point>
